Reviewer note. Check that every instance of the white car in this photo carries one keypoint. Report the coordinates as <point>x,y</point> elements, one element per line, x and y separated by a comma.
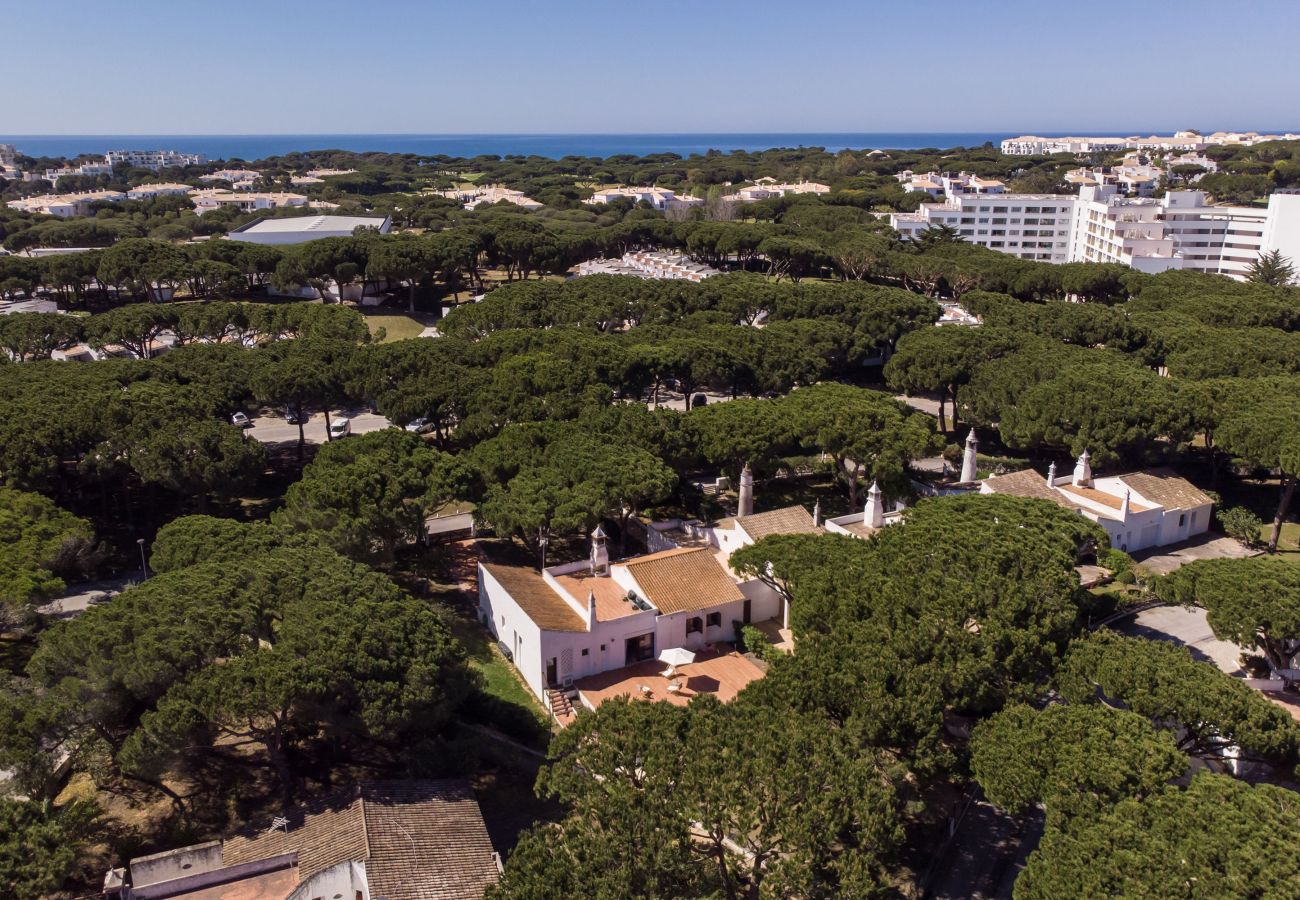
<point>420,426</point>
<point>241,419</point>
<point>340,427</point>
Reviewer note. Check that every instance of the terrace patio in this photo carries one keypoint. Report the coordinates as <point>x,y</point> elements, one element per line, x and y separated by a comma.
<point>723,673</point>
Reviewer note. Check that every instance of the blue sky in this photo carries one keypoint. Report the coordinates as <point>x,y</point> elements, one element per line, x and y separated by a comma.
<point>428,66</point>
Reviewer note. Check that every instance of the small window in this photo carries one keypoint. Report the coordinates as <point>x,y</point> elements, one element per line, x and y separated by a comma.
<point>602,648</point>
<point>1193,520</point>
<point>1182,518</point>
<point>694,625</point>
<point>714,620</point>
<point>584,651</point>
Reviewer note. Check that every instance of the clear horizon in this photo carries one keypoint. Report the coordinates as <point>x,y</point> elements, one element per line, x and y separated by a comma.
<point>675,67</point>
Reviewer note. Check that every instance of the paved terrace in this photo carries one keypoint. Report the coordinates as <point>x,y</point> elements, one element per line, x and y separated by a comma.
<point>723,673</point>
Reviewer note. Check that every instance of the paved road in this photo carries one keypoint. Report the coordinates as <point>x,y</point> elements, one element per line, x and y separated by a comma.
<point>275,430</point>
<point>1187,627</point>
<point>1163,560</point>
<point>986,855</point>
<point>80,597</point>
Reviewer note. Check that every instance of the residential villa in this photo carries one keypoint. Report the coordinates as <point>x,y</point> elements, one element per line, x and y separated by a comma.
<point>767,189</point>
<point>585,631</point>
<point>948,185</point>
<point>649,264</point>
<point>657,197</point>
<point>300,229</point>
<point>65,206</point>
<point>149,191</point>
<point>380,840</point>
<point>1139,510</point>
<point>318,176</point>
<point>91,169</point>
<point>238,178</point>
<point>206,200</point>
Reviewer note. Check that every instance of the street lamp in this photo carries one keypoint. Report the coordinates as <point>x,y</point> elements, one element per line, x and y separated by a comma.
<point>144,567</point>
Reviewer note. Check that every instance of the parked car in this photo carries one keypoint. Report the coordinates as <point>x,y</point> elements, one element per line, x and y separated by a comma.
<point>420,426</point>
<point>241,419</point>
<point>340,427</point>
<point>698,400</point>
<point>295,416</point>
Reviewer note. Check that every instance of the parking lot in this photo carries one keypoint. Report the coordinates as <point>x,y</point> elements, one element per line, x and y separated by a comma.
<point>275,430</point>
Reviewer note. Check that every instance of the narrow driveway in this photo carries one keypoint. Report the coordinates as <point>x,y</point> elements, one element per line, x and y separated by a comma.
<point>1188,627</point>
<point>1163,560</point>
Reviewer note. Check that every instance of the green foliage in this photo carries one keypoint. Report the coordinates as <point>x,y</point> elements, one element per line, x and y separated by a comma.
<point>1117,561</point>
<point>289,648</point>
<point>1241,524</point>
<point>369,495</point>
<point>190,540</point>
<point>39,542</point>
<point>1076,761</point>
<point>41,844</point>
<point>1218,838</point>
<point>1252,602</point>
<point>1166,685</point>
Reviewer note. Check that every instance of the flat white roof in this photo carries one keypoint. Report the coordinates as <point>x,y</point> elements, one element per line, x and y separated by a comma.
<point>311,223</point>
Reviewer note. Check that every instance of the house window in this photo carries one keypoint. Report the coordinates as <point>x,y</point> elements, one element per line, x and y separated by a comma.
<point>714,620</point>
<point>694,625</point>
<point>1193,520</point>
<point>1182,517</point>
<point>584,651</point>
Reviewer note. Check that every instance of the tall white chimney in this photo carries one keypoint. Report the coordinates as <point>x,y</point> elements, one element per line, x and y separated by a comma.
<point>874,515</point>
<point>1083,471</point>
<point>745,506</point>
<point>599,552</point>
<point>969,467</point>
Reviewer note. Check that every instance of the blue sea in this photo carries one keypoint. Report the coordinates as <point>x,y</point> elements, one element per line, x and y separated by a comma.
<point>258,146</point>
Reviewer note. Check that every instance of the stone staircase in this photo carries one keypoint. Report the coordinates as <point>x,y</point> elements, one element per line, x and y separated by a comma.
<point>560,705</point>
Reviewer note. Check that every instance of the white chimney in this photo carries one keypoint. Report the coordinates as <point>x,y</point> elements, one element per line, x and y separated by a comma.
<point>591,610</point>
<point>817,514</point>
<point>599,552</point>
<point>745,506</point>
<point>1082,471</point>
<point>874,515</point>
<point>1051,475</point>
<point>1124,507</point>
<point>969,468</point>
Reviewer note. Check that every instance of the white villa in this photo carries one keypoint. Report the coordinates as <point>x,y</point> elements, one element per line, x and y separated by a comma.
<point>65,206</point>
<point>659,198</point>
<point>651,264</point>
<point>236,177</point>
<point>766,189</point>
<point>1139,510</point>
<point>244,201</point>
<point>149,191</point>
<point>577,620</point>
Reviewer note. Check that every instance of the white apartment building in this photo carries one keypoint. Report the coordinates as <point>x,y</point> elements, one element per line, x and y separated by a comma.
<point>947,184</point>
<point>154,159</point>
<point>1031,226</point>
<point>1177,231</point>
<point>53,175</point>
<point>1186,141</point>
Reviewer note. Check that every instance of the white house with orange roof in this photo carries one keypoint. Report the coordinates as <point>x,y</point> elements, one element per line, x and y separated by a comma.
<point>580,619</point>
<point>1139,510</point>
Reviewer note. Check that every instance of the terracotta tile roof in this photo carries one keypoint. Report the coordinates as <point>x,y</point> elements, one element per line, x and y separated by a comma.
<point>683,580</point>
<point>420,840</point>
<point>787,520</point>
<point>1162,486</point>
<point>1102,498</point>
<point>536,598</point>
<point>1027,483</point>
<point>611,597</point>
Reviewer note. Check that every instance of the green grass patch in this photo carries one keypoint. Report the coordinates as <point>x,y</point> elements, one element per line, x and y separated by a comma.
<point>397,327</point>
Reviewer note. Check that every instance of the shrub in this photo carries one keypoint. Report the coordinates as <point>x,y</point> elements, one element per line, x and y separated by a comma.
<point>755,642</point>
<point>1240,524</point>
<point>1126,577</point>
<point>1117,561</point>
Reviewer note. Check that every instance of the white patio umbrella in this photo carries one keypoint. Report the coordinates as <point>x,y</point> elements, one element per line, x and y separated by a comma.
<point>674,657</point>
